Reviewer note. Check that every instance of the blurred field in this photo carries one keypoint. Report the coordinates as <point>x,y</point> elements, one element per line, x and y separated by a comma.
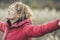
<point>44,16</point>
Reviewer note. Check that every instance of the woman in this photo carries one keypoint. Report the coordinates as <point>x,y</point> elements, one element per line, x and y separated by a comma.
<point>19,25</point>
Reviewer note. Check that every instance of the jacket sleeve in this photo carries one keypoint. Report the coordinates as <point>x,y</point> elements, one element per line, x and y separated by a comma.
<point>3,26</point>
<point>40,30</point>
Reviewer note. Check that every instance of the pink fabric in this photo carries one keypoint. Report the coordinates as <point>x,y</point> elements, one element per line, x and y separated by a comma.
<point>27,31</point>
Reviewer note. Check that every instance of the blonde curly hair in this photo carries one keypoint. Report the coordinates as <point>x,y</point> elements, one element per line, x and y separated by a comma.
<point>22,8</point>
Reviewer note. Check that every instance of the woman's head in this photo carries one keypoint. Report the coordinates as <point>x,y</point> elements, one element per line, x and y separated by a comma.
<point>19,10</point>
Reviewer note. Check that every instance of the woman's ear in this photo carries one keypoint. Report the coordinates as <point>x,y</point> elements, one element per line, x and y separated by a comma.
<point>18,16</point>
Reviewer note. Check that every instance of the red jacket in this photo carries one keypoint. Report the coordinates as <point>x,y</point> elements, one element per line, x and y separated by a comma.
<point>24,30</point>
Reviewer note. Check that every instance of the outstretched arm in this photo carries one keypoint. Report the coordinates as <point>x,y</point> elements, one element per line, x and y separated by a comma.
<point>3,26</point>
<point>39,30</point>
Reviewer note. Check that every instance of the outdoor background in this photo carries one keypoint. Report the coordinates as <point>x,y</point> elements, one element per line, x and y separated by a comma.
<point>44,11</point>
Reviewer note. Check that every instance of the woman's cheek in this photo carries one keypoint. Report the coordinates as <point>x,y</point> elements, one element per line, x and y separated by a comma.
<point>10,17</point>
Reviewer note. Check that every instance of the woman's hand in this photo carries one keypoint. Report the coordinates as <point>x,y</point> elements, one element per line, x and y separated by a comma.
<point>59,23</point>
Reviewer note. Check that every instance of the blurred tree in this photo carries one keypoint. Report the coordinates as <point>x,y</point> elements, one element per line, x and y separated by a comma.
<point>56,1</point>
<point>26,1</point>
<point>57,4</point>
<point>50,4</point>
<point>8,1</point>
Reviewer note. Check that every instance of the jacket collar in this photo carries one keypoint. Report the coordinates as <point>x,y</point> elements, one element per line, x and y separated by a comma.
<point>19,23</point>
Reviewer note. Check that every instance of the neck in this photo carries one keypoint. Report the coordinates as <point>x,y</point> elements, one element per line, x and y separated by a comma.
<point>12,21</point>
